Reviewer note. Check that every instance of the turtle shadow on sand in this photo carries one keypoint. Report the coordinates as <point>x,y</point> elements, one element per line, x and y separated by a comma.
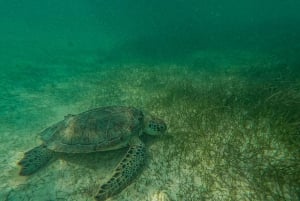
<point>94,161</point>
<point>51,181</point>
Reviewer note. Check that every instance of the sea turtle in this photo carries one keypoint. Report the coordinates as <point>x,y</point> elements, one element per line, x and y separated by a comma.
<point>100,129</point>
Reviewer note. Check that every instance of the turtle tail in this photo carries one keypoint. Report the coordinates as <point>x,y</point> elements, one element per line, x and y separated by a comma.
<point>124,173</point>
<point>35,159</point>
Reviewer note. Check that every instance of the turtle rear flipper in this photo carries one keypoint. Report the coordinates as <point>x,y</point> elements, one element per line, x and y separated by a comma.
<point>35,159</point>
<point>126,170</point>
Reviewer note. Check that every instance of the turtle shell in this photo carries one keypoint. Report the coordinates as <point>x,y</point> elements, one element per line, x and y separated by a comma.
<point>100,129</point>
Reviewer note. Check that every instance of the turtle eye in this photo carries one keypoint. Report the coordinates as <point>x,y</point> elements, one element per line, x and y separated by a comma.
<point>162,127</point>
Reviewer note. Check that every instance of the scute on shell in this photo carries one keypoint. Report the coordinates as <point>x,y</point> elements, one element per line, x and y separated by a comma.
<point>100,129</point>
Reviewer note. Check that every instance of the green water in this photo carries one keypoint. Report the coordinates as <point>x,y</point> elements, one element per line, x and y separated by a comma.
<point>224,75</point>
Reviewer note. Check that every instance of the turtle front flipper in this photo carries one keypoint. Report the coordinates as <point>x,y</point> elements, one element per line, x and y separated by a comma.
<point>35,159</point>
<point>126,170</point>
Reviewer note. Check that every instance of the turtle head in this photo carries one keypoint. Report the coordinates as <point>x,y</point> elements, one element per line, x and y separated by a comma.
<point>154,126</point>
